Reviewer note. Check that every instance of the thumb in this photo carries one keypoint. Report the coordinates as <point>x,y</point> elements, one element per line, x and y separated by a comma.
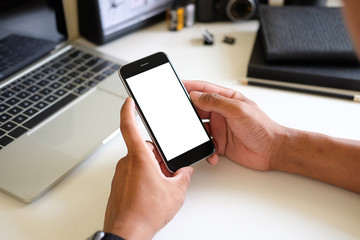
<point>183,177</point>
<point>213,102</point>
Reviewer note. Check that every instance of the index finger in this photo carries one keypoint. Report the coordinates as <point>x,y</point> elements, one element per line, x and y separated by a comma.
<point>205,87</point>
<point>128,127</point>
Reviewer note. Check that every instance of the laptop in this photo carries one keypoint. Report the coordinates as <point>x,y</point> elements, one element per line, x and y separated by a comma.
<point>56,108</point>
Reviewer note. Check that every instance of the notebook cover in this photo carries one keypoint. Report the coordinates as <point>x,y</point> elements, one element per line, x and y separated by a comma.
<point>298,33</point>
<point>325,75</point>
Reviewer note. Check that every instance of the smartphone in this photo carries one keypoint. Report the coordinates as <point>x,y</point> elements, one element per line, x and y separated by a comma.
<point>167,111</point>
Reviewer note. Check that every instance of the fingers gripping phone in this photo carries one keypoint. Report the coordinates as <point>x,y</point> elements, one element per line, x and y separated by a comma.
<point>166,111</point>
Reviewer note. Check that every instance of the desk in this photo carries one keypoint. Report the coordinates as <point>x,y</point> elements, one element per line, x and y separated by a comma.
<point>226,201</point>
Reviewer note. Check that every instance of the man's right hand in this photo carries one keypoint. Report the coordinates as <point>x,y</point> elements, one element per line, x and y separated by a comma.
<point>240,130</point>
<point>246,135</point>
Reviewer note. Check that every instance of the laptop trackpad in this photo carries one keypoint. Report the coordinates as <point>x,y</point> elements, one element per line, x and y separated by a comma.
<point>80,129</point>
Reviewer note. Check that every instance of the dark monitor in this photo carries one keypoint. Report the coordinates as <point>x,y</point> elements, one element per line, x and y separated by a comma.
<point>29,30</point>
<point>101,21</point>
<point>35,18</point>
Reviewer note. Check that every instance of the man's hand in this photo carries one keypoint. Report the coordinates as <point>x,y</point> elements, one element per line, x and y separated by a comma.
<point>246,135</point>
<point>240,130</point>
<point>144,195</point>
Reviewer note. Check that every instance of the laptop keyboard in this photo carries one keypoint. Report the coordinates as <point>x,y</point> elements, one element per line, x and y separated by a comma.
<point>36,96</point>
<point>17,52</point>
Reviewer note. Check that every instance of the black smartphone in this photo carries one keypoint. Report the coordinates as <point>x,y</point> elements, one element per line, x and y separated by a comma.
<point>166,111</point>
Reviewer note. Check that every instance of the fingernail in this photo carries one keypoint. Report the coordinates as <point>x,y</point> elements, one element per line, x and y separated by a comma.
<point>195,95</point>
<point>191,171</point>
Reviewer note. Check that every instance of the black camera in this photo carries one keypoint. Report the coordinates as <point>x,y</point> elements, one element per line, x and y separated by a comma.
<point>238,10</point>
<point>225,10</point>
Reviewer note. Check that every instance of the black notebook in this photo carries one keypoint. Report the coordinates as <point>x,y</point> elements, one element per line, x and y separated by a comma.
<point>324,75</point>
<point>304,34</point>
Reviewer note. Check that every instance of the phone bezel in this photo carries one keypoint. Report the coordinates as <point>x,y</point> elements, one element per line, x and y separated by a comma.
<point>185,159</point>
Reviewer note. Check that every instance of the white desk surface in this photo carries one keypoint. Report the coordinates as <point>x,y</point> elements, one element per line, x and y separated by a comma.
<point>226,201</point>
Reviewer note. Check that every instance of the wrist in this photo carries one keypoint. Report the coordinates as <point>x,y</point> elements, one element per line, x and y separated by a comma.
<point>282,148</point>
<point>131,229</point>
<point>298,151</point>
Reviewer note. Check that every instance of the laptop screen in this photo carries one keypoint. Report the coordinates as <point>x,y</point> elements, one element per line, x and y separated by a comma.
<point>35,18</point>
<point>29,30</point>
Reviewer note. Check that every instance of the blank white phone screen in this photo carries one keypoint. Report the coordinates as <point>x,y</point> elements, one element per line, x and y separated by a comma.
<point>167,110</point>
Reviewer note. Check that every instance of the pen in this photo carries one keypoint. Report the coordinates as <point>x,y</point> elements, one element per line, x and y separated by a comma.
<point>345,96</point>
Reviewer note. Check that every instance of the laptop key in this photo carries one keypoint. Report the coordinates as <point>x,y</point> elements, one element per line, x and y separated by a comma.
<point>35,98</point>
<point>87,75</point>
<point>7,94</point>
<point>45,91</point>
<point>52,77</point>
<point>115,67</point>
<point>108,72</point>
<point>93,62</point>
<point>30,112</point>
<point>91,83</point>
<point>70,66</point>
<point>12,101</point>
<point>81,90</point>
<point>100,66</point>
<point>61,71</point>
<point>25,104</point>
<point>60,92</point>
<point>55,85</point>
<point>33,89</point>
<point>42,83</point>
<point>4,117</point>
<point>79,61</point>
<point>8,126</point>
<point>3,107</point>
<point>66,59</point>
<point>56,65</point>
<point>28,82</point>
<point>74,74</point>
<point>19,119</point>
<point>47,70</point>
<point>51,99</point>
<point>38,76</point>
<point>17,132</point>
<point>64,79</point>
<point>78,81</point>
<point>75,54</point>
<point>82,69</point>
<point>70,86</point>
<point>5,140</point>
<point>14,110</point>
<point>23,95</point>
<point>40,105</point>
<point>18,88</point>
<point>100,78</point>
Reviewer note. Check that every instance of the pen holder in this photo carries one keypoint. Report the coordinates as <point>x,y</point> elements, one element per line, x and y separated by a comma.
<point>180,15</point>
